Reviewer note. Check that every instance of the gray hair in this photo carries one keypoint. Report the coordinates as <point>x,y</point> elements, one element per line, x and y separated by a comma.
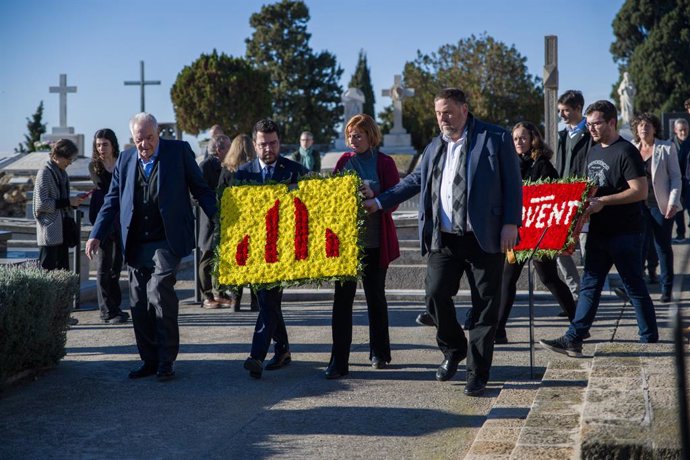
<point>217,142</point>
<point>143,118</point>
<point>681,121</point>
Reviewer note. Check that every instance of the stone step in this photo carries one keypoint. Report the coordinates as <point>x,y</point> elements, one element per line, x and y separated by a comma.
<point>504,422</point>
<point>552,427</point>
<point>631,406</point>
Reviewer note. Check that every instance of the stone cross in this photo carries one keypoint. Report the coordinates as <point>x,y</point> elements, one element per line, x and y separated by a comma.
<point>551,90</point>
<point>142,83</point>
<point>63,89</point>
<point>398,93</point>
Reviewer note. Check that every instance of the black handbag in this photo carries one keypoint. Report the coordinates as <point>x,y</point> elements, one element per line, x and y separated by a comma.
<point>70,232</point>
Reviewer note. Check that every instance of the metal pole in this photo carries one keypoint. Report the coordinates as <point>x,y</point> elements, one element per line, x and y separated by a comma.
<point>677,321</point>
<point>77,257</point>
<point>530,287</point>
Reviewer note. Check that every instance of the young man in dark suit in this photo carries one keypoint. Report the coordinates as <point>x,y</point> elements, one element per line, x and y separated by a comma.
<point>150,192</point>
<point>470,207</point>
<point>268,166</point>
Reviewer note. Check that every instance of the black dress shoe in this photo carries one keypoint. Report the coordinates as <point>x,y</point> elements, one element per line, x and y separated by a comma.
<point>165,372</point>
<point>332,373</point>
<point>378,363</point>
<point>475,386</point>
<point>278,361</point>
<point>425,319</point>
<point>147,369</point>
<point>500,340</point>
<point>447,369</point>
<point>254,367</point>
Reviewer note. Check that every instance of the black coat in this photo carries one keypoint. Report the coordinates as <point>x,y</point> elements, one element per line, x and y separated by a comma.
<point>578,157</point>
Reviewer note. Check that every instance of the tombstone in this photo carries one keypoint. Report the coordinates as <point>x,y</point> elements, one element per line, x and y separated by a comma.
<point>63,131</point>
<point>353,100</point>
<point>398,140</point>
<point>667,121</point>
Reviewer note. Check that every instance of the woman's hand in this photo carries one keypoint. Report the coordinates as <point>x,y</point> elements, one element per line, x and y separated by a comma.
<point>366,191</point>
<point>671,211</point>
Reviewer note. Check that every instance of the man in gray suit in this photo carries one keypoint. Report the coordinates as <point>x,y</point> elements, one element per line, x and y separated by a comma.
<point>470,207</point>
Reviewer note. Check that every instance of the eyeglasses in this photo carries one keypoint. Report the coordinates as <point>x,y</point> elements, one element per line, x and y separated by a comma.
<point>595,124</point>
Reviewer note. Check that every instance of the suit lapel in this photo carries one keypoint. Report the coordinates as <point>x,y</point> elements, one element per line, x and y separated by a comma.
<point>280,172</point>
<point>475,153</point>
<point>130,174</point>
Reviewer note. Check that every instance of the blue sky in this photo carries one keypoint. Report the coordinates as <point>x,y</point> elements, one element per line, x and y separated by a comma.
<point>99,43</point>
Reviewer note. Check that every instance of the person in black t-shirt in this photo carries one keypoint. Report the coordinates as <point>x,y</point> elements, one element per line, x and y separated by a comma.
<point>615,230</point>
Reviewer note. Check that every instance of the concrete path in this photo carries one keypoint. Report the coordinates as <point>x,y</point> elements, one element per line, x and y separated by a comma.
<point>88,408</point>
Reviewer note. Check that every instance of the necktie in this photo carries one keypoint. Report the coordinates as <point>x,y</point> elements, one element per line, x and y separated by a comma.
<point>148,167</point>
<point>460,193</point>
<point>268,172</point>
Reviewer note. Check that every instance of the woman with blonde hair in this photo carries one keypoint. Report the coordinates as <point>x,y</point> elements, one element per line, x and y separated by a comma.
<point>378,173</point>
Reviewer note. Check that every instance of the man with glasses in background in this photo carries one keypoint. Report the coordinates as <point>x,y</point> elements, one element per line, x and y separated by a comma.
<point>615,230</point>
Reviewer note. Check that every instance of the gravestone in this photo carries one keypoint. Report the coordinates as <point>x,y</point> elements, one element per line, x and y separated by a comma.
<point>353,100</point>
<point>63,131</point>
<point>398,140</point>
<point>142,83</point>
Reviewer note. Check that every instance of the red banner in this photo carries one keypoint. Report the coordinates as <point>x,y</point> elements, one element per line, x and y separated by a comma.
<point>556,206</point>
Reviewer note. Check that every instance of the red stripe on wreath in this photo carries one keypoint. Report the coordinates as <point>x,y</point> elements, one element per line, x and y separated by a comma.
<point>332,244</point>
<point>272,215</point>
<point>301,230</point>
<point>242,251</point>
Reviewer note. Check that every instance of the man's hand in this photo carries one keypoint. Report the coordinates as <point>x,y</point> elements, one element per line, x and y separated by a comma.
<point>509,235</point>
<point>370,206</point>
<point>366,190</point>
<point>92,246</point>
<point>595,205</point>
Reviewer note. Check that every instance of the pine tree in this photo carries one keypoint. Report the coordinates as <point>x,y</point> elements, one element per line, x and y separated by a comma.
<point>362,79</point>
<point>304,84</point>
<point>652,43</point>
<point>36,128</point>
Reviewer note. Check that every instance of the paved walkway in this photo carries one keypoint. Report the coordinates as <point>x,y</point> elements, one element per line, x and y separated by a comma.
<point>88,408</point>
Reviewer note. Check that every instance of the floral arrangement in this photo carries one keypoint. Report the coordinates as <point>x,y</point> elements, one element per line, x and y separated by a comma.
<point>558,205</point>
<point>42,146</point>
<point>271,235</point>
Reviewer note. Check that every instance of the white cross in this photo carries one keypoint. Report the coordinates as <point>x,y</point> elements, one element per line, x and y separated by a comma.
<point>397,92</point>
<point>63,89</point>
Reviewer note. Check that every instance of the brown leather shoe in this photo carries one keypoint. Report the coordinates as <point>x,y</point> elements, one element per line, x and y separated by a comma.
<point>210,304</point>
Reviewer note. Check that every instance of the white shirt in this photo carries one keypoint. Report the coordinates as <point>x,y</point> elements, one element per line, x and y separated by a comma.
<point>450,170</point>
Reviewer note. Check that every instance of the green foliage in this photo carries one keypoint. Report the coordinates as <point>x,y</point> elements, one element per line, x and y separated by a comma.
<point>362,79</point>
<point>34,309</point>
<point>494,76</point>
<point>220,89</point>
<point>36,128</point>
<point>652,43</point>
<point>304,84</point>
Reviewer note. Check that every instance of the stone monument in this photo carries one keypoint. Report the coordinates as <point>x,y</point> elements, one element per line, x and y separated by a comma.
<point>63,131</point>
<point>398,139</point>
<point>353,100</point>
<point>551,89</point>
<point>626,91</point>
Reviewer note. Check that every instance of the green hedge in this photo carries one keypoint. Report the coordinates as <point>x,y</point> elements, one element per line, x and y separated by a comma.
<point>34,309</point>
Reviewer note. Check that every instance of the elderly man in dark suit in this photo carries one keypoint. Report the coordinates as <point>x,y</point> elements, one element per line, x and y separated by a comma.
<point>150,191</point>
<point>268,166</point>
<point>470,207</point>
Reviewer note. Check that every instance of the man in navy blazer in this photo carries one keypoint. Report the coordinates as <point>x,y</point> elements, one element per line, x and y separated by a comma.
<point>150,191</point>
<point>470,207</point>
<point>268,166</point>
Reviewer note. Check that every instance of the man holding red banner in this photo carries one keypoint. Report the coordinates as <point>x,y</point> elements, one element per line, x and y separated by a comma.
<point>615,231</point>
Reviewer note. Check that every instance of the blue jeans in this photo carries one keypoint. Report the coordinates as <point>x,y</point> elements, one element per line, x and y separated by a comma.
<point>602,253</point>
<point>659,230</point>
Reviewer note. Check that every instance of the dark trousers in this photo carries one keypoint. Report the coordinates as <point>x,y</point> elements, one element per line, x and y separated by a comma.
<point>547,270</point>
<point>602,253</point>
<point>108,261</point>
<point>374,284</point>
<point>205,274</point>
<point>152,278</point>
<point>444,271</point>
<point>679,218</point>
<point>270,324</point>
<point>658,232</point>
<point>54,257</point>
